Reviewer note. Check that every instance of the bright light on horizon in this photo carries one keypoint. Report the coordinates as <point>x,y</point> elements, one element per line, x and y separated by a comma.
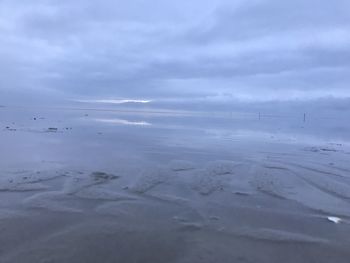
<point>115,101</point>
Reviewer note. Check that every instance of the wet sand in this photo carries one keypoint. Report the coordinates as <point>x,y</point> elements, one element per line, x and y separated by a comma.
<point>181,192</point>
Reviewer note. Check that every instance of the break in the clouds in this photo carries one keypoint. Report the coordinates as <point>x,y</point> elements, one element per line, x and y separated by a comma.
<point>152,49</point>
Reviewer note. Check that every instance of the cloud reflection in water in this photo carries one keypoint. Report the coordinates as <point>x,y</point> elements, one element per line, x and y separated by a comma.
<point>124,122</point>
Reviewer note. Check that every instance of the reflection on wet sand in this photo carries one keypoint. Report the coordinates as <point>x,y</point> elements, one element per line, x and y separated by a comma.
<point>181,190</point>
<point>124,122</point>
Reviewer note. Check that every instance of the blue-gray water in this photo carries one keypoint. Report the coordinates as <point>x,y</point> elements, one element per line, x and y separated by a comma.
<point>125,185</point>
<point>87,134</point>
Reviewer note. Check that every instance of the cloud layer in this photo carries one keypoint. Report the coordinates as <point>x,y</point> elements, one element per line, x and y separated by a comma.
<point>161,49</point>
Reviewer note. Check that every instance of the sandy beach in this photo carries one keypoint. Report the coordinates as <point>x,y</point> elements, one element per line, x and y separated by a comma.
<point>110,187</point>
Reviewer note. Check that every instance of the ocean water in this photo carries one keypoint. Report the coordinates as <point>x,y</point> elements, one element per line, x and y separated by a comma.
<point>131,185</point>
<point>97,137</point>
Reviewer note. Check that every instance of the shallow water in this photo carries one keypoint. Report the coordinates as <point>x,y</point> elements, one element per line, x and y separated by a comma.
<point>84,185</point>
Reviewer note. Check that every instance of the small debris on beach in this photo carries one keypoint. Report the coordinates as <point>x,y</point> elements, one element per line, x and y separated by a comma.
<point>101,176</point>
<point>52,129</point>
<point>328,150</point>
<point>320,149</point>
<point>334,219</point>
<point>8,128</point>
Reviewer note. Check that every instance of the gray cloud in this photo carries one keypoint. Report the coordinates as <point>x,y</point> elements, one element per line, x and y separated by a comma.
<point>262,18</point>
<point>247,50</point>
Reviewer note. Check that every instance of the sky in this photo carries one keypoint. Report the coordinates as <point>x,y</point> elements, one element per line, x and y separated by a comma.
<point>214,50</point>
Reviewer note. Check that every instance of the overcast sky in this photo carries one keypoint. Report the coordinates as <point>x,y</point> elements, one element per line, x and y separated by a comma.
<point>165,49</point>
